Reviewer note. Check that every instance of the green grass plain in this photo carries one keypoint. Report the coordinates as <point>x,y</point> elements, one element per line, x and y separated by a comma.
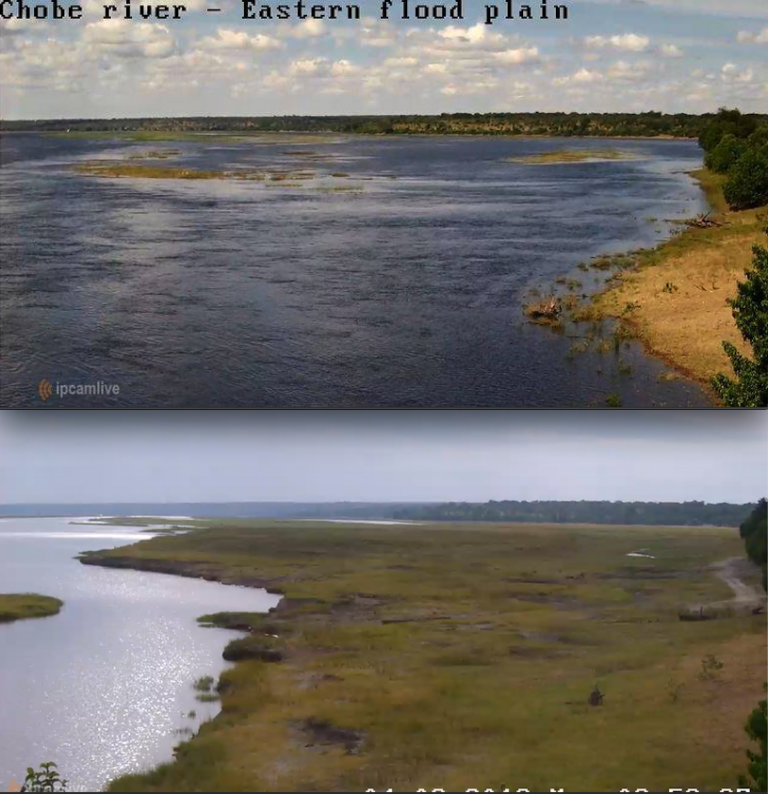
<point>461,656</point>
<point>27,605</point>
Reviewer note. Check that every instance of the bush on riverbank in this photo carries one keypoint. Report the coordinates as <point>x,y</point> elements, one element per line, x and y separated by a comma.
<point>251,648</point>
<point>749,387</point>
<point>737,146</point>
<point>725,155</point>
<point>747,185</point>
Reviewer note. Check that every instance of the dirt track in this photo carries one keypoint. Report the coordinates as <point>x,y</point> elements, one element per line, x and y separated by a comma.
<point>731,572</point>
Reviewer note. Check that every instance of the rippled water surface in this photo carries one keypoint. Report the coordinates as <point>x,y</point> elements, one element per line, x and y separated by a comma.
<point>393,276</point>
<point>105,686</point>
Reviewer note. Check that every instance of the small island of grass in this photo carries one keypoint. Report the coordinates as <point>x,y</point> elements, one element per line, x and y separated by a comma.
<point>27,605</point>
<point>572,156</point>
<point>131,170</point>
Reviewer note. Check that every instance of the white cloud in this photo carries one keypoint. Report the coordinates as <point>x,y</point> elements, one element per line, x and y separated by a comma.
<point>130,39</point>
<point>308,66</point>
<point>670,51</point>
<point>478,35</point>
<point>629,42</point>
<point>732,74</point>
<point>227,39</point>
<point>521,55</point>
<point>581,77</point>
<point>745,37</point>
<point>309,29</point>
<point>633,72</point>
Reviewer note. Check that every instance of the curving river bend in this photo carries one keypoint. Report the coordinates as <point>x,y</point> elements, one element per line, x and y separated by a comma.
<point>395,276</point>
<point>104,687</point>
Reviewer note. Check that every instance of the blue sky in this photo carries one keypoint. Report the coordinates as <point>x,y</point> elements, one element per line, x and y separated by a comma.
<point>625,55</point>
<point>123,456</point>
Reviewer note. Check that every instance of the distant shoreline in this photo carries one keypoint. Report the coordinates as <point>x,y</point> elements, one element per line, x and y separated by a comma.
<point>628,126</point>
<point>244,134</point>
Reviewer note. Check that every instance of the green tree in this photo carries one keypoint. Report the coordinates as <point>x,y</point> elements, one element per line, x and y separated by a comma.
<point>726,122</point>
<point>756,778</point>
<point>759,138</point>
<point>747,185</point>
<point>749,388</point>
<point>754,531</point>
<point>726,154</point>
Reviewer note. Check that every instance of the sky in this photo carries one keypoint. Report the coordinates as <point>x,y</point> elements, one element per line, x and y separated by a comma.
<point>611,55</point>
<point>167,456</point>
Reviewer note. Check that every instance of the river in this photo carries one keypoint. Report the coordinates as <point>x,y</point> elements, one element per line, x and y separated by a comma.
<point>391,272</point>
<point>104,687</point>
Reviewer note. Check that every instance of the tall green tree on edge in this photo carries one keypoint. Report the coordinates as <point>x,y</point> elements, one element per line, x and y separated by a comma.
<point>755,533</point>
<point>749,387</point>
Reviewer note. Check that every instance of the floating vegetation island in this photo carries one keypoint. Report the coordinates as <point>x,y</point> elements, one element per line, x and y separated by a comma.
<point>27,605</point>
<point>573,156</point>
<point>271,177</point>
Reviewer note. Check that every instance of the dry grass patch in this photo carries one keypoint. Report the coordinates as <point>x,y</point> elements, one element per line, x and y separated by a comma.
<point>573,156</point>
<point>679,293</point>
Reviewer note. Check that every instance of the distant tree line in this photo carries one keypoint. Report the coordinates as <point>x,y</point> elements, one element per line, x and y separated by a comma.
<point>648,513</point>
<point>650,124</point>
<point>736,145</point>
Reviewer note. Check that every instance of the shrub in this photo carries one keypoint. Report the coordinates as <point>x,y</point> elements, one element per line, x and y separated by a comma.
<point>756,778</point>
<point>203,684</point>
<point>749,388</point>
<point>726,154</point>
<point>747,185</point>
<point>251,648</point>
<point>44,779</point>
<point>710,668</point>
<point>759,139</point>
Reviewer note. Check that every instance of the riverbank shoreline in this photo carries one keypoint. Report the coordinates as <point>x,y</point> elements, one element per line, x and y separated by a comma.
<point>390,665</point>
<point>674,299</point>
<point>192,570</point>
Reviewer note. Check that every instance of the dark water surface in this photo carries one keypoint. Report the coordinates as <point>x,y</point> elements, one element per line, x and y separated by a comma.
<point>405,290</point>
<point>105,687</point>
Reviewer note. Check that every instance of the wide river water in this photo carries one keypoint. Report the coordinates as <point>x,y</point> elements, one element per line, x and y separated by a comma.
<point>104,687</point>
<point>392,272</point>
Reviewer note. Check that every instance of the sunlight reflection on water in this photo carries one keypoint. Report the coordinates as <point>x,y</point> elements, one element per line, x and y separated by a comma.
<point>103,687</point>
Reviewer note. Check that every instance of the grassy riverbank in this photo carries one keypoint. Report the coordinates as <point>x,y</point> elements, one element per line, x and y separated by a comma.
<point>27,605</point>
<point>458,656</point>
<point>675,297</point>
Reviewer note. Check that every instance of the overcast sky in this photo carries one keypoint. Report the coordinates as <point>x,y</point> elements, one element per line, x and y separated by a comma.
<point>101,456</point>
<point>626,55</point>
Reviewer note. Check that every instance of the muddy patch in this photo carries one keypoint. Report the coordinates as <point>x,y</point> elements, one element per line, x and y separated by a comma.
<point>323,733</point>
